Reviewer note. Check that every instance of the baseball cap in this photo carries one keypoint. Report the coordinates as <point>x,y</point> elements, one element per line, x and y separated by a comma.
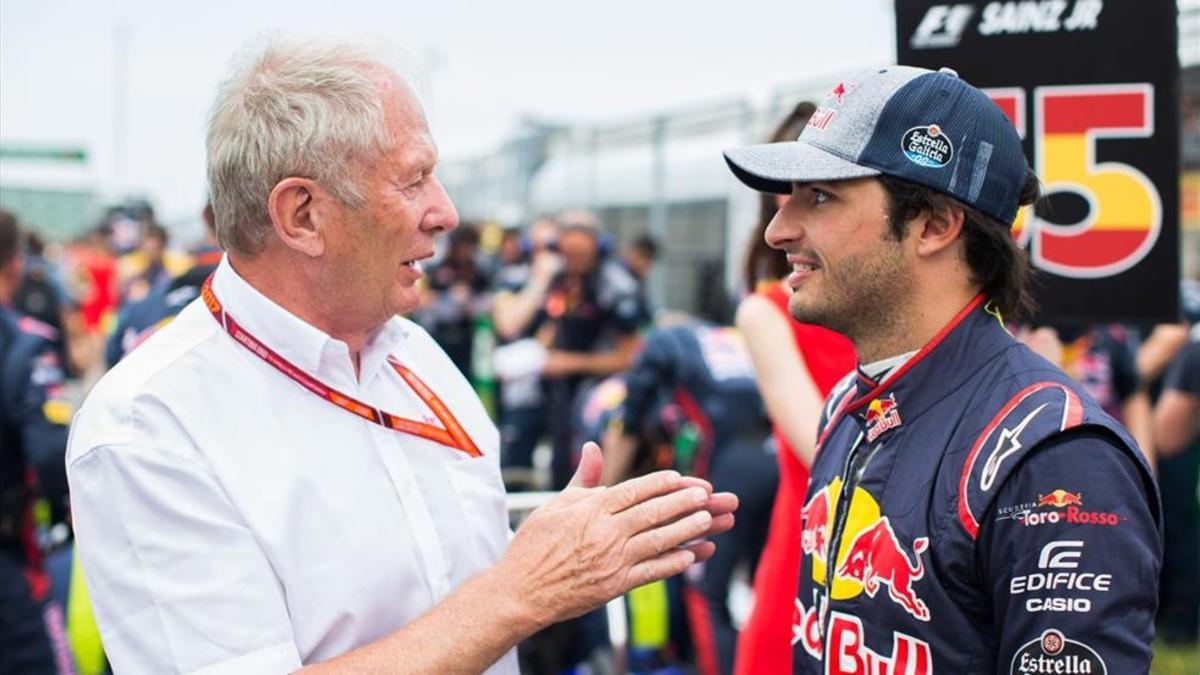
<point>923,126</point>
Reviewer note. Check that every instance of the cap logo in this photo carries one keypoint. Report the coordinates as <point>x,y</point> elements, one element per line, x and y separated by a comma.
<point>821,118</point>
<point>927,146</point>
<point>841,90</point>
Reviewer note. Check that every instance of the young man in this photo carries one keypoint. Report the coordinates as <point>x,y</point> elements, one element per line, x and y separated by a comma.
<point>970,510</point>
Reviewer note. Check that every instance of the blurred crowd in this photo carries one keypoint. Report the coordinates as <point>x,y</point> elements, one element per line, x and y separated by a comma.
<point>553,325</point>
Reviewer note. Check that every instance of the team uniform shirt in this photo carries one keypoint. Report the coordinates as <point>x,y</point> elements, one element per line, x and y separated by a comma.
<point>706,371</point>
<point>230,520</point>
<point>33,437</point>
<point>1102,361</point>
<point>987,517</point>
<point>34,413</point>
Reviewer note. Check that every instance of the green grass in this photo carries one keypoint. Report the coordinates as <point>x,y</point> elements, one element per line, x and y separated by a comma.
<point>1176,659</point>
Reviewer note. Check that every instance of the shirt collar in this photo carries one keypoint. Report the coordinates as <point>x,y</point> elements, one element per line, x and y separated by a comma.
<point>878,370</point>
<point>303,344</point>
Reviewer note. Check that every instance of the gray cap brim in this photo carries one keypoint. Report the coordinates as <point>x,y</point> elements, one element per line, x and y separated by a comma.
<point>773,167</point>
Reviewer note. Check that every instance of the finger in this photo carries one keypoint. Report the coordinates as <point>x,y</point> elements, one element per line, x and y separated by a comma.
<point>659,567</point>
<point>637,490</point>
<point>720,524</point>
<point>662,510</point>
<point>698,482</point>
<point>703,550</point>
<point>722,502</point>
<point>591,465</point>
<point>655,541</point>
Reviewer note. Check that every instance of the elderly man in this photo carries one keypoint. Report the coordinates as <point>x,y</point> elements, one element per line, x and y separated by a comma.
<point>289,474</point>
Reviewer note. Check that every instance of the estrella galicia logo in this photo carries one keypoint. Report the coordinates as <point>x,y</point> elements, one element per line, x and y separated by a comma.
<point>927,146</point>
<point>1053,652</point>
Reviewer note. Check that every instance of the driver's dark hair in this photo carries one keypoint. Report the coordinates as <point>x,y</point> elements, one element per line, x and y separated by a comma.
<point>998,265</point>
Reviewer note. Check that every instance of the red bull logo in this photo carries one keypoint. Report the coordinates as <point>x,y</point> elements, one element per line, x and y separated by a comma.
<point>848,653</point>
<point>1060,498</point>
<point>882,415</point>
<point>876,557</point>
<point>841,90</point>
<point>814,519</point>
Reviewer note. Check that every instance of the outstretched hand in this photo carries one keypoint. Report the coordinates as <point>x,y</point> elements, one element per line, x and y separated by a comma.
<point>592,543</point>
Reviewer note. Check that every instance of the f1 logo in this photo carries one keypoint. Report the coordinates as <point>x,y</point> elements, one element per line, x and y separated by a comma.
<point>942,26</point>
<point>1061,555</point>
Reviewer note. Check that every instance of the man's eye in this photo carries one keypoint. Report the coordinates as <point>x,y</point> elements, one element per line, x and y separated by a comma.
<point>819,196</point>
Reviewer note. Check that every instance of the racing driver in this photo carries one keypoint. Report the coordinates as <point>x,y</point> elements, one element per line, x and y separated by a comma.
<point>971,509</point>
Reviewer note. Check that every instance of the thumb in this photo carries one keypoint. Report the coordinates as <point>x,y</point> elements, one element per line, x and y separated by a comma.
<point>591,462</point>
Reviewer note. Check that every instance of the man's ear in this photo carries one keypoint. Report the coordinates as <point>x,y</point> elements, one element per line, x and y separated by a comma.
<point>295,216</point>
<point>938,229</point>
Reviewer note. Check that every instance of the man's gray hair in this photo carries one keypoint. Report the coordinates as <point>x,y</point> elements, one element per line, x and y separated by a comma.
<point>306,109</point>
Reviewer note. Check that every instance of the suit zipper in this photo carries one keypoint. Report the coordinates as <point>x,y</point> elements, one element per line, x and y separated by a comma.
<point>841,512</point>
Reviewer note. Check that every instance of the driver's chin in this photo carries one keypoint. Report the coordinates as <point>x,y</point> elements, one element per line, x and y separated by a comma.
<point>803,308</point>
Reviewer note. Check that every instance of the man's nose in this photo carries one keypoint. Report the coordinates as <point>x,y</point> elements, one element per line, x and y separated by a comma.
<point>783,229</point>
<point>442,216</point>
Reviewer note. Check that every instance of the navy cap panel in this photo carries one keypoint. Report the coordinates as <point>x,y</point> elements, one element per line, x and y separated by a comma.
<point>940,132</point>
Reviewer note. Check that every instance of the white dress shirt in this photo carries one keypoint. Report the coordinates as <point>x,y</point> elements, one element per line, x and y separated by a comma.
<point>230,521</point>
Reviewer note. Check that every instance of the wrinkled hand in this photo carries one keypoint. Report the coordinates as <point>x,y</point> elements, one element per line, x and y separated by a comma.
<point>592,543</point>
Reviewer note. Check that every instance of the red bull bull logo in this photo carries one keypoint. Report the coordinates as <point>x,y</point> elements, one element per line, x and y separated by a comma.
<point>1060,498</point>
<point>814,519</point>
<point>876,557</point>
<point>882,415</point>
<point>841,90</point>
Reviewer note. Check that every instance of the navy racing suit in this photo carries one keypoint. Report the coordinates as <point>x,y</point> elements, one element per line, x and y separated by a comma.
<point>988,517</point>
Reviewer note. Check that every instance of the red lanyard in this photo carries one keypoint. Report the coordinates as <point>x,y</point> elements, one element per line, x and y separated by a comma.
<point>450,434</point>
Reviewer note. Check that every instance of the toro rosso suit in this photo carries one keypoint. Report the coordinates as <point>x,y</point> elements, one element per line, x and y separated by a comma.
<point>987,517</point>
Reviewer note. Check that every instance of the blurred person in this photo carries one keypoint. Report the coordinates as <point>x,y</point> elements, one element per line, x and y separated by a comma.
<point>277,522</point>
<point>797,364</point>
<point>705,373</point>
<point>639,258</point>
<point>588,322</point>
<point>94,280</point>
<point>1179,465</point>
<point>145,267</point>
<point>33,436</point>
<point>138,320</point>
<point>528,261</point>
<point>457,292</point>
<point>43,296</point>
<point>956,471</point>
<point>1102,359</point>
<point>1177,435</point>
<point>519,289</point>
<point>511,250</point>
